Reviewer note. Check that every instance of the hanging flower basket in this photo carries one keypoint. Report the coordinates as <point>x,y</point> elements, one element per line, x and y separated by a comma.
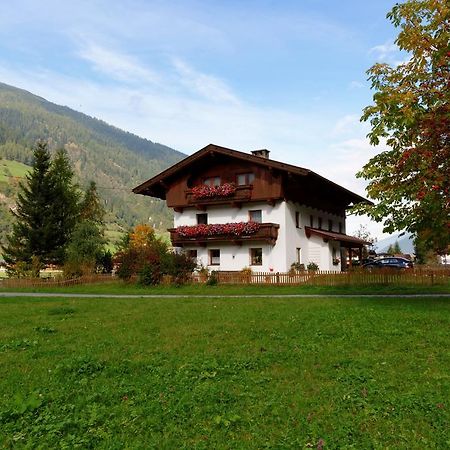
<point>204,191</point>
<point>205,230</point>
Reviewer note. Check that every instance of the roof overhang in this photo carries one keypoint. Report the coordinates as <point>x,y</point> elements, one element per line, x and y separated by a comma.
<point>156,186</point>
<point>343,239</point>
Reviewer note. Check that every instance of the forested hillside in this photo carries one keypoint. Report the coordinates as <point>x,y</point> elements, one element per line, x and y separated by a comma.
<point>116,160</point>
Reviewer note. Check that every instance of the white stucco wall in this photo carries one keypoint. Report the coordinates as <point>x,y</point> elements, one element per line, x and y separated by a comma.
<point>234,257</point>
<point>277,258</point>
<point>313,249</point>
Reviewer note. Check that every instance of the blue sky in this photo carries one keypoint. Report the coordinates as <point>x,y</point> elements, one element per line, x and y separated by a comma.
<point>284,75</point>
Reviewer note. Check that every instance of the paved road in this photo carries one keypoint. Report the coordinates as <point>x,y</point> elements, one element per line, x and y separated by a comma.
<point>67,295</point>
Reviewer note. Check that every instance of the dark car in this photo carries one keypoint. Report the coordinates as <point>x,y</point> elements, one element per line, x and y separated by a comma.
<point>389,263</point>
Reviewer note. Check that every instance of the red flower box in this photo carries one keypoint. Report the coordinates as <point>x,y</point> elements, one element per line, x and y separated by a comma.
<point>234,229</point>
<point>205,191</point>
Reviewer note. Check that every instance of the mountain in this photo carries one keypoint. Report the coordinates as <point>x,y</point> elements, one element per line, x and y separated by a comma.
<point>115,159</point>
<point>406,243</point>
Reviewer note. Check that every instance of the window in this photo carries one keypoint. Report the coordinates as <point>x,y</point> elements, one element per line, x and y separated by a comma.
<point>202,219</point>
<point>311,221</point>
<point>330,225</point>
<point>255,215</point>
<point>297,219</point>
<point>256,256</point>
<point>214,257</point>
<point>212,181</point>
<point>340,227</point>
<point>192,254</point>
<point>245,178</point>
<point>299,255</point>
<point>320,223</point>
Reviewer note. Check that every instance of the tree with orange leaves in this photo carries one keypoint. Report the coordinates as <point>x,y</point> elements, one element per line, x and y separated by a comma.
<point>410,182</point>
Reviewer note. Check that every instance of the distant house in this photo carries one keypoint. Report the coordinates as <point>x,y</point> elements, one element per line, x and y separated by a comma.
<point>234,210</point>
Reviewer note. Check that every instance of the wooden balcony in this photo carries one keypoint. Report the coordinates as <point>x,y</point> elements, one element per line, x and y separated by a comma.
<point>267,233</point>
<point>242,194</point>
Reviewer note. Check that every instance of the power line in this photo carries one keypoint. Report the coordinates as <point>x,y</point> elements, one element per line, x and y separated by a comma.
<point>87,185</point>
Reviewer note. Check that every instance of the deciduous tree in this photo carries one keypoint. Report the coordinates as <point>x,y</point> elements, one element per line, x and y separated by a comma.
<point>410,181</point>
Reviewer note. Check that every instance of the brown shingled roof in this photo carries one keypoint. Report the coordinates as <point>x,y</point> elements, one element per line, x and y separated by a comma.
<point>147,187</point>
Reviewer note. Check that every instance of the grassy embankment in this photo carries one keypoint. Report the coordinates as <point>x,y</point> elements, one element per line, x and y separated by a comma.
<point>225,373</point>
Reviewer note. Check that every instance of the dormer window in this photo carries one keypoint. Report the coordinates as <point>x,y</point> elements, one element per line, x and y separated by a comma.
<point>245,178</point>
<point>212,181</point>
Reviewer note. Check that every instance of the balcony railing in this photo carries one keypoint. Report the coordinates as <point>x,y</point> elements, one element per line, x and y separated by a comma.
<point>267,232</point>
<point>241,194</point>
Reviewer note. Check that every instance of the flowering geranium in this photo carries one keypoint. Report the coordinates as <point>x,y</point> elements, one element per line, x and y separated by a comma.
<point>205,191</point>
<point>205,230</point>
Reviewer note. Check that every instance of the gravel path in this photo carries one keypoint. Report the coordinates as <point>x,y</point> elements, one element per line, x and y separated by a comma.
<point>67,295</point>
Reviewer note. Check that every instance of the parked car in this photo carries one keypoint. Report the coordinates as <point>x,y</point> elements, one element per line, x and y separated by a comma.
<point>389,263</point>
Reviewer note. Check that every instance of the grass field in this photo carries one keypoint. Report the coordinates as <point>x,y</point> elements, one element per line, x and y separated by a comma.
<point>225,373</point>
<point>12,169</point>
<point>118,287</point>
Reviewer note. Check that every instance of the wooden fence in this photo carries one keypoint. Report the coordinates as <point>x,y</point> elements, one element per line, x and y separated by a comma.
<point>330,278</point>
<point>11,283</point>
<point>421,277</point>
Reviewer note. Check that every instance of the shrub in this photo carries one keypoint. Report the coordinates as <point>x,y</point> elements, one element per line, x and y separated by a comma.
<point>149,257</point>
<point>150,274</point>
<point>312,267</point>
<point>298,267</point>
<point>212,280</point>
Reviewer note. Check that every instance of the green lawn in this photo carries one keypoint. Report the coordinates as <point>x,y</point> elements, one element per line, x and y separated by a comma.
<point>225,373</point>
<point>12,169</point>
<point>118,287</point>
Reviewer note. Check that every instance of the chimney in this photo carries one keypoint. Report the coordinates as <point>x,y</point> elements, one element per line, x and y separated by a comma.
<point>263,153</point>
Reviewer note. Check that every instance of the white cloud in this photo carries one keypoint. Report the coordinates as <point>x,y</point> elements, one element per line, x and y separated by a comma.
<point>388,53</point>
<point>384,51</point>
<point>356,85</point>
<point>117,65</point>
<point>209,87</point>
<point>348,125</point>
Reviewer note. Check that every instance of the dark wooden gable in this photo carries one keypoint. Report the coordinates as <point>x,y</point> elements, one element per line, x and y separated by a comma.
<point>267,184</point>
<point>273,181</point>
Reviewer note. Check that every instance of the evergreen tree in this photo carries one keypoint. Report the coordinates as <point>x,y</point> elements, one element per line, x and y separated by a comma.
<point>397,249</point>
<point>65,207</point>
<point>46,212</point>
<point>33,231</point>
<point>91,208</point>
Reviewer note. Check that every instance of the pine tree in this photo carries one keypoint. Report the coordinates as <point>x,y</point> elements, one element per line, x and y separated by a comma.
<point>46,212</point>
<point>91,208</point>
<point>65,208</point>
<point>32,233</point>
